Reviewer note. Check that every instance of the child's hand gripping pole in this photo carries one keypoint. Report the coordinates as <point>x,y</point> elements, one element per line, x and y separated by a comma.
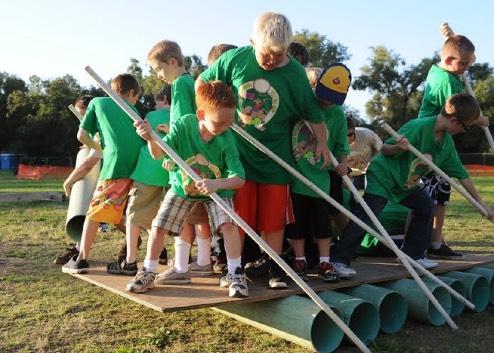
<point>405,259</point>
<point>438,171</point>
<point>75,112</point>
<point>256,238</point>
<point>446,32</point>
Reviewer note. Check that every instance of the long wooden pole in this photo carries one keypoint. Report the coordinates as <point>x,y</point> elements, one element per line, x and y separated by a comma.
<point>250,232</point>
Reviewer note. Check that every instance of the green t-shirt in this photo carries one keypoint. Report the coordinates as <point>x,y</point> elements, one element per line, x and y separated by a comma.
<point>183,97</point>
<point>120,142</point>
<point>215,159</point>
<point>439,86</point>
<point>150,171</point>
<point>395,177</point>
<point>337,132</point>
<point>303,149</point>
<point>268,101</point>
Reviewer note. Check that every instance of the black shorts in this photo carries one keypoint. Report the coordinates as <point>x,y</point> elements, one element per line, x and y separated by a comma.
<point>335,190</point>
<point>311,218</point>
<point>437,188</point>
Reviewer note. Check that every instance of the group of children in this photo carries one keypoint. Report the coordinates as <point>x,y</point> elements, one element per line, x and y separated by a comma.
<point>297,115</point>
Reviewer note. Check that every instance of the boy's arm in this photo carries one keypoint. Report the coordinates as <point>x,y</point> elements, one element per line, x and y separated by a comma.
<point>143,129</point>
<point>400,146</point>
<point>208,186</point>
<point>470,187</point>
<point>85,138</point>
<point>321,134</point>
<point>79,172</point>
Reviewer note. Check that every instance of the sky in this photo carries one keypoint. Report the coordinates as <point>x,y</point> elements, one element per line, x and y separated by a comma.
<point>52,38</point>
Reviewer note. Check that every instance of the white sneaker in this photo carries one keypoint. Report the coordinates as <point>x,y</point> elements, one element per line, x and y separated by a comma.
<point>427,264</point>
<point>343,270</point>
<point>236,283</point>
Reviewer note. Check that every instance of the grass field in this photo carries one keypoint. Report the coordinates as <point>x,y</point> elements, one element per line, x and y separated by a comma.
<point>43,310</point>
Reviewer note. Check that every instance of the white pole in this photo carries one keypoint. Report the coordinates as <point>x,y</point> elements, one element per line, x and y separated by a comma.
<point>342,209</point>
<point>437,170</point>
<point>75,112</point>
<point>469,90</point>
<point>262,244</point>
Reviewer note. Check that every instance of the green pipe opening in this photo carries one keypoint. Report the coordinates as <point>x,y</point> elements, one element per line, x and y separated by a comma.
<point>477,288</point>
<point>457,307</point>
<point>390,304</point>
<point>488,273</point>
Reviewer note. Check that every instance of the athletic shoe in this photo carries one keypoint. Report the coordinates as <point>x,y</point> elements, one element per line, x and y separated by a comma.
<point>257,268</point>
<point>197,270</point>
<point>236,283</point>
<point>220,267</point>
<point>75,266</point>
<point>163,258</point>
<point>427,264</point>
<point>64,257</point>
<point>171,276</point>
<point>103,227</point>
<point>343,270</point>
<point>143,281</point>
<point>444,252</point>
<point>328,273</point>
<point>300,268</point>
<point>122,268</point>
<point>277,277</point>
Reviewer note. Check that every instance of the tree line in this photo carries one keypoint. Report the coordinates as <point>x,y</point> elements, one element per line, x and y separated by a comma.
<point>35,121</point>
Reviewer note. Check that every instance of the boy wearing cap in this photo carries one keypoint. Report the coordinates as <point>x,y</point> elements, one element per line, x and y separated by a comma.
<point>311,212</point>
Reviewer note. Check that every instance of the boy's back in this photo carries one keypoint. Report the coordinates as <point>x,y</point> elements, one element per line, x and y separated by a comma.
<point>121,144</point>
<point>439,86</point>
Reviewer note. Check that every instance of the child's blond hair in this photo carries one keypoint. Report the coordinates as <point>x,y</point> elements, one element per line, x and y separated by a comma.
<point>313,74</point>
<point>164,51</point>
<point>462,106</point>
<point>457,45</point>
<point>273,31</point>
<point>214,95</point>
<point>124,83</point>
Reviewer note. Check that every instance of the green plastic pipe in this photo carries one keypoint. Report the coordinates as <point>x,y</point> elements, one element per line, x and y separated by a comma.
<point>477,288</point>
<point>390,304</point>
<point>420,307</point>
<point>295,318</point>
<point>457,306</point>
<point>360,316</point>
<point>80,196</point>
<point>488,273</point>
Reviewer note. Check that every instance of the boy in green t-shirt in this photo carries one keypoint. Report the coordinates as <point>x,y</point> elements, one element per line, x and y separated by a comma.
<point>206,144</point>
<point>393,175</point>
<point>167,61</point>
<point>149,182</point>
<point>312,212</point>
<point>444,80</point>
<point>272,89</point>
<point>121,146</point>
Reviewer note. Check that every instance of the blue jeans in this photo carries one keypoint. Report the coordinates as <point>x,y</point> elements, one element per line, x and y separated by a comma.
<point>417,236</point>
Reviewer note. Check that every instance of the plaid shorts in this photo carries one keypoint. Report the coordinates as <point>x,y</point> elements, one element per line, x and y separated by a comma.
<point>437,188</point>
<point>175,210</point>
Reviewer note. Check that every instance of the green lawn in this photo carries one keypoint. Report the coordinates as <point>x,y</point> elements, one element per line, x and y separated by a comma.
<point>9,183</point>
<point>43,310</point>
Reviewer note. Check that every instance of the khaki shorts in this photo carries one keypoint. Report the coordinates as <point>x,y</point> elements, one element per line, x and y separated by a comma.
<point>109,200</point>
<point>144,203</point>
<point>198,215</point>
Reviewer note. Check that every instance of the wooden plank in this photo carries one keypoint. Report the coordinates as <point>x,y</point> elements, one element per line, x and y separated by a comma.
<point>205,291</point>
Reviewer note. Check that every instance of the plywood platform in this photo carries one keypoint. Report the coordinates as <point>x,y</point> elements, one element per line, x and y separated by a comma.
<point>205,291</point>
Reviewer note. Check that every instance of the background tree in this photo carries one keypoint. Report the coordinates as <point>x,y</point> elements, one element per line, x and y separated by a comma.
<point>322,51</point>
<point>194,65</point>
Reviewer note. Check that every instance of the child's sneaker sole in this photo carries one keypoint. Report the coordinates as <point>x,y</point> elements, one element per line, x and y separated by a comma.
<point>74,271</point>
<point>130,288</point>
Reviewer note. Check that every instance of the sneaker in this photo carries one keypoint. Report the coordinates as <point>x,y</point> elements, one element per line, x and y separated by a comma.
<point>300,267</point>
<point>257,268</point>
<point>163,258</point>
<point>328,273</point>
<point>277,277</point>
<point>103,227</point>
<point>75,266</point>
<point>236,283</point>
<point>444,252</point>
<point>427,264</point>
<point>197,270</point>
<point>143,281</point>
<point>171,276</point>
<point>64,257</point>
<point>122,268</point>
<point>220,267</point>
<point>343,270</point>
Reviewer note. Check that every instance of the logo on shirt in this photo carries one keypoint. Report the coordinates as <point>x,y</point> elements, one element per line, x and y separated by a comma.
<point>203,168</point>
<point>258,103</point>
<point>418,169</point>
<point>303,143</point>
